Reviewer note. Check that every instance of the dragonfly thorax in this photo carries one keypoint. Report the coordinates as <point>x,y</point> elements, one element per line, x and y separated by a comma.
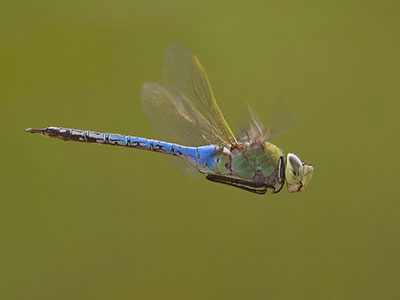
<point>257,163</point>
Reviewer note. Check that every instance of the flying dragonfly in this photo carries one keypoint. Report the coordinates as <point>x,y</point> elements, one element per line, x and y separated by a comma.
<point>183,109</point>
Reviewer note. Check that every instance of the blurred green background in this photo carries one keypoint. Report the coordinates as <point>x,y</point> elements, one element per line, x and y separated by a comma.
<point>80,221</point>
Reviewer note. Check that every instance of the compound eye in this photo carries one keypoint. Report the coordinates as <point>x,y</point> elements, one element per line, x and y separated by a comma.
<point>294,169</point>
<point>295,162</point>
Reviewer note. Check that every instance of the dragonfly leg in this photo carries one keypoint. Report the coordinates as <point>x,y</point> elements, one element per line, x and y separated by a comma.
<point>256,188</point>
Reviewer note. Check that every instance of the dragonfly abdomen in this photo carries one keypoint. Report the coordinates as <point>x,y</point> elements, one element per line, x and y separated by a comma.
<point>199,157</point>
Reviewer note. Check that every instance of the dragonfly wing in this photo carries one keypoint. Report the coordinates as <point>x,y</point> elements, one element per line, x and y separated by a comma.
<point>254,131</point>
<point>183,71</point>
<point>174,117</point>
<point>279,122</point>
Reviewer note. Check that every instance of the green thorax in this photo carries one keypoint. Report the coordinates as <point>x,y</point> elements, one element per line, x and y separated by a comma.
<point>248,160</point>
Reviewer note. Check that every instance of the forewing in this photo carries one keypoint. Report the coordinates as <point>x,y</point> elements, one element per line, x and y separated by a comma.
<point>254,131</point>
<point>183,71</point>
<point>279,121</point>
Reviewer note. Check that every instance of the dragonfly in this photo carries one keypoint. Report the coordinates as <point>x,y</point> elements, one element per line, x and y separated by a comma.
<point>183,109</point>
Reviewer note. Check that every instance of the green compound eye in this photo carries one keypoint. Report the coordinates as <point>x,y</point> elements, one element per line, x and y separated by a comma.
<point>297,174</point>
<point>294,169</point>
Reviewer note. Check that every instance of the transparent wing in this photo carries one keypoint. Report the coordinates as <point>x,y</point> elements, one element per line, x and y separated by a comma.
<point>183,71</point>
<point>279,122</point>
<point>175,118</point>
<point>254,131</point>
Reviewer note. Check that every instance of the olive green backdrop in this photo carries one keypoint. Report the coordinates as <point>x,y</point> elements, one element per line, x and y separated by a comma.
<point>81,221</point>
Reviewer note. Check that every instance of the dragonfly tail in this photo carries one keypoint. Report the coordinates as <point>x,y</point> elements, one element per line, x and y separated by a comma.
<point>199,157</point>
<point>34,130</point>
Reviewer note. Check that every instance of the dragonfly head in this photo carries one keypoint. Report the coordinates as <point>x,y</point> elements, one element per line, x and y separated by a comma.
<point>297,173</point>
